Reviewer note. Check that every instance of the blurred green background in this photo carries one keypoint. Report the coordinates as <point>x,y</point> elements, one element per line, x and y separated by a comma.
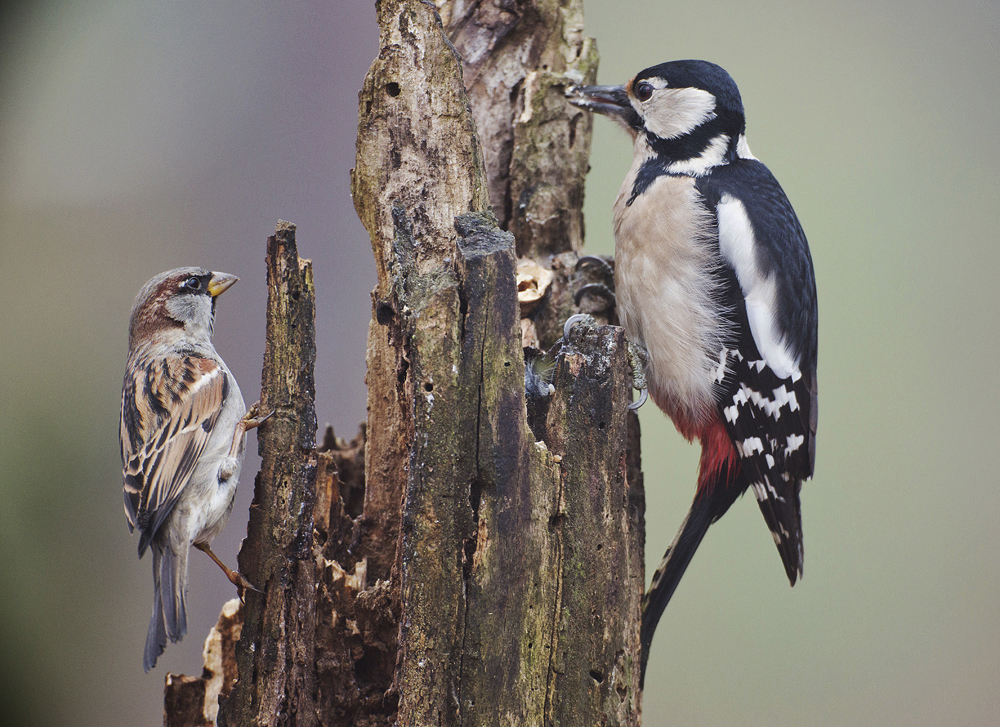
<point>138,136</point>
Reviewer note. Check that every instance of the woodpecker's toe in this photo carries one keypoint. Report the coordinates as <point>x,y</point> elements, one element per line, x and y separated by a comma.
<point>584,318</point>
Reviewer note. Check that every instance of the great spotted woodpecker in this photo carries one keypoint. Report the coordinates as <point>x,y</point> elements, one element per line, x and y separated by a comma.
<point>714,281</point>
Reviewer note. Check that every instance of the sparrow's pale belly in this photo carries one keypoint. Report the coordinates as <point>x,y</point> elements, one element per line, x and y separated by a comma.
<point>207,501</point>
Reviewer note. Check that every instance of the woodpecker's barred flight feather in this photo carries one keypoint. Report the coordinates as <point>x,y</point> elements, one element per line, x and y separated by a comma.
<point>714,280</point>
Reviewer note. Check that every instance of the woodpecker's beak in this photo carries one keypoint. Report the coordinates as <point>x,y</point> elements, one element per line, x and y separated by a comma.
<point>608,100</point>
<point>220,283</point>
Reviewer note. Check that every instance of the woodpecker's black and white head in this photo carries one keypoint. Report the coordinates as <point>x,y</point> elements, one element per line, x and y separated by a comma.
<point>686,114</point>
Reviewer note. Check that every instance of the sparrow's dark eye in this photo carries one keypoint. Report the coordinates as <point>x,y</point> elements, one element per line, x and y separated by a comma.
<point>192,283</point>
<point>643,91</point>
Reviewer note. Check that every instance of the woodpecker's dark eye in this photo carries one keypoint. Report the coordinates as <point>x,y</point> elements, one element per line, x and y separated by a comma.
<point>192,283</point>
<point>643,91</point>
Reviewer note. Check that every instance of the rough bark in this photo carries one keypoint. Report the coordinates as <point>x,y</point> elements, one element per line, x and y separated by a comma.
<point>474,556</point>
<point>517,56</point>
<point>519,564</point>
<point>277,683</point>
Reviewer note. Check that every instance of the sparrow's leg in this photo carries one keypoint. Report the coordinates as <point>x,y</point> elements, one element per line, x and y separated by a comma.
<point>251,420</point>
<point>237,579</point>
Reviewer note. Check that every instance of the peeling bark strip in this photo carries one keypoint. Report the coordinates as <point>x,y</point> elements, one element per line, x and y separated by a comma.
<point>517,57</point>
<point>277,683</point>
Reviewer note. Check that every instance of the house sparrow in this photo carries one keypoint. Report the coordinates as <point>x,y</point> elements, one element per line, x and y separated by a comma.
<point>183,430</point>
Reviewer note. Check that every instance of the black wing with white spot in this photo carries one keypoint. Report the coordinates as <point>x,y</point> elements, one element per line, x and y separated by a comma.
<point>767,386</point>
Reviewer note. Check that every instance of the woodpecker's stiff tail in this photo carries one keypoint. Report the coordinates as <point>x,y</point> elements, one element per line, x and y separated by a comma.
<point>779,503</point>
<point>668,573</point>
<point>720,482</point>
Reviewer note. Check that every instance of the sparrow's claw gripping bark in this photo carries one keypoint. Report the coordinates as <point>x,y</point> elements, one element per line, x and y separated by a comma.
<point>252,419</point>
<point>235,577</point>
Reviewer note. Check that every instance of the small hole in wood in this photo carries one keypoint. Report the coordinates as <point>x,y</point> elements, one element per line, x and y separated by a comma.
<point>514,91</point>
<point>383,313</point>
<point>392,88</point>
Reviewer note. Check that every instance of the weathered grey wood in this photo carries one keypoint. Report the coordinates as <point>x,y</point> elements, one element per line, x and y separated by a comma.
<point>194,701</point>
<point>277,683</point>
<point>602,533</point>
<point>515,589</point>
<point>516,56</point>
<point>517,59</point>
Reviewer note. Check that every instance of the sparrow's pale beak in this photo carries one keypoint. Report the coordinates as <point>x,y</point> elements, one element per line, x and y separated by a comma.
<point>220,283</point>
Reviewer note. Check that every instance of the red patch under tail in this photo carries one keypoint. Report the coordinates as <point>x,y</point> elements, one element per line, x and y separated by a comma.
<point>719,462</point>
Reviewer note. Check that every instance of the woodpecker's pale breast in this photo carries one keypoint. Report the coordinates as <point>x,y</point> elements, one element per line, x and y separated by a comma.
<point>666,264</point>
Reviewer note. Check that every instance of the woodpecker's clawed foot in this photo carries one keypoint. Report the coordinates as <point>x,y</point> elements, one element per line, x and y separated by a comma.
<point>603,290</point>
<point>252,419</point>
<point>584,318</point>
<point>643,395</point>
<point>600,265</point>
<point>596,290</point>
<point>637,360</point>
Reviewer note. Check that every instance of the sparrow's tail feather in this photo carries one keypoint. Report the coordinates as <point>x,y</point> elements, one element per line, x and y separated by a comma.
<point>156,637</point>
<point>172,596</point>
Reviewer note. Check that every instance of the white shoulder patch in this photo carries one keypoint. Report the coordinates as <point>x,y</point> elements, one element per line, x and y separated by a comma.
<point>737,246</point>
<point>743,149</point>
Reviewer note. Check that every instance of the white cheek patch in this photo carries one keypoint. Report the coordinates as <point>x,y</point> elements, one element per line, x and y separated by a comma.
<point>195,312</point>
<point>737,246</point>
<point>673,112</point>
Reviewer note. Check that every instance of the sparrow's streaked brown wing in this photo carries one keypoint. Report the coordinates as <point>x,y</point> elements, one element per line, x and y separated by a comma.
<point>169,408</point>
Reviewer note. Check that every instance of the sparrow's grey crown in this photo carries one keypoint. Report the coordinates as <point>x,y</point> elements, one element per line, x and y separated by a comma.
<point>178,299</point>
